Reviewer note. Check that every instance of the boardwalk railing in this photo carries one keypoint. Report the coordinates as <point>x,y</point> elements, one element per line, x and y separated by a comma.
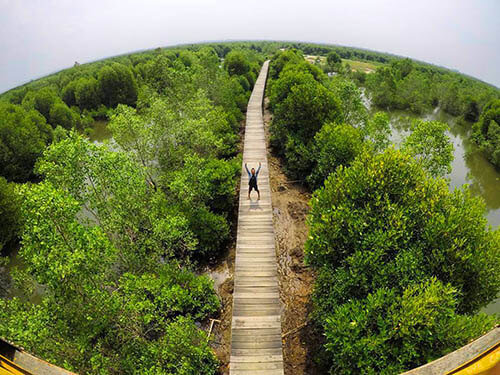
<point>256,325</point>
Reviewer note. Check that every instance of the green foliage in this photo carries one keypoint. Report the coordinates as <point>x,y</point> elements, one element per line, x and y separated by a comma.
<point>377,230</point>
<point>377,130</point>
<point>97,236</point>
<point>208,182</point>
<point>417,87</point>
<point>301,105</point>
<point>184,350</point>
<point>305,110</point>
<point>334,145</point>
<point>206,190</point>
<point>353,110</point>
<point>487,132</point>
<point>157,73</point>
<point>297,118</point>
<point>117,85</point>
<point>303,66</point>
<point>387,333</point>
<point>429,144</point>
<point>86,92</point>
<point>111,189</point>
<point>236,63</point>
<point>68,94</point>
<point>169,293</point>
<point>151,314</point>
<point>41,100</point>
<point>61,115</point>
<point>333,58</point>
<point>281,59</point>
<point>188,58</point>
<point>282,87</point>
<point>23,137</point>
<point>9,214</point>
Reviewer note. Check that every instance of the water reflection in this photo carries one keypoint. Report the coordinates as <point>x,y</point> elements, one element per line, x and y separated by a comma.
<point>10,289</point>
<point>99,131</point>
<point>469,165</point>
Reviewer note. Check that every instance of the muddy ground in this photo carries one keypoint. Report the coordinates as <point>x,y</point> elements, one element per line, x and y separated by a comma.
<point>290,208</point>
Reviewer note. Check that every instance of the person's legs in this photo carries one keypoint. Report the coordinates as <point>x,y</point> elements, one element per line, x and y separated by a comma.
<point>258,193</point>
<point>249,191</point>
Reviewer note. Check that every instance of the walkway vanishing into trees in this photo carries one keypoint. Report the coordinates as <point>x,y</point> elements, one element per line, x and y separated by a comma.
<point>256,326</point>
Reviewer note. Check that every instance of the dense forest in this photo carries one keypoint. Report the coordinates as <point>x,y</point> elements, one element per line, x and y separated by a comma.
<point>115,234</point>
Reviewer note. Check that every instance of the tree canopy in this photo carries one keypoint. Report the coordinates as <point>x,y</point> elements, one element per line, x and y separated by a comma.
<point>402,262</point>
<point>23,137</point>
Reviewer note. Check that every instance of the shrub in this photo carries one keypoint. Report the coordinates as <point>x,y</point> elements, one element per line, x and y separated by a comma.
<point>162,296</point>
<point>305,110</point>
<point>403,264</point>
<point>236,63</point>
<point>281,59</point>
<point>9,214</point>
<point>61,115</point>
<point>282,87</point>
<point>41,100</point>
<point>334,145</point>
<point>487,132</point>
<point>117,85</point>
<point>388,332</point>
<point>87,95</point>
<point>430,145</point>
<point>386,207</point>
<point>184,350</point>
<point>23,137</point>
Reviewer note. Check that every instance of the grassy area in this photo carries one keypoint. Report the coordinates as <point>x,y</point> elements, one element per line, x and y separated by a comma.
<point>364,66</point>
<point>312,58</point>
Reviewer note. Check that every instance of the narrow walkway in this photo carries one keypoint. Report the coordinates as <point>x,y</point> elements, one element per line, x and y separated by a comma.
<point>256,325</point>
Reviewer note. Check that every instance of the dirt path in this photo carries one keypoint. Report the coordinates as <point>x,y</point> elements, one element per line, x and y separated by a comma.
<point>290,204</point>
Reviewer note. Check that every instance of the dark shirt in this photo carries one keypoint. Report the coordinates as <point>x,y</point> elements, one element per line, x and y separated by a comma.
<point>250,174</point>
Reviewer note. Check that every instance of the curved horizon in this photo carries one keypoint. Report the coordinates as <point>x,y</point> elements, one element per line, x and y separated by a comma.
<point>46,36</point>
<point>180,45</point>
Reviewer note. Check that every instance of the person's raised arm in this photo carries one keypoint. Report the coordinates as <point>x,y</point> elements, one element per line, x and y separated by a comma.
<point>248,172</point>
<point>258,170</point>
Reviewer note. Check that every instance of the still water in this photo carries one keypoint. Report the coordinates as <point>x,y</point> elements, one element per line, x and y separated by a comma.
<point>100,131</point>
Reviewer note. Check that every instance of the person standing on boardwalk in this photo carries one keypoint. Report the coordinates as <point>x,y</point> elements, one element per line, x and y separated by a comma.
<point>252,182</point>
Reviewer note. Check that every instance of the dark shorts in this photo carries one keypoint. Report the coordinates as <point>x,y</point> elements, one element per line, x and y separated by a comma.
<point>253,186</point>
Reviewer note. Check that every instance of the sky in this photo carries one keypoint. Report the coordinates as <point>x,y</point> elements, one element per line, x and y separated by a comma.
<point>39,37</point>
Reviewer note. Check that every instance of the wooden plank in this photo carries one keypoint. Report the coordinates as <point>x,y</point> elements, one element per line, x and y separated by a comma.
<point>256,346</point>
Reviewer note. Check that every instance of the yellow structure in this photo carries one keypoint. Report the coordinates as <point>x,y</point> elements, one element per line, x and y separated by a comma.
<point>14,360</point>
<point>487,363</point>
<point>8,367</point>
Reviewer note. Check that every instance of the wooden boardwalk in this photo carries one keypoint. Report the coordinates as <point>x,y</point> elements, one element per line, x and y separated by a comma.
<point>256,324</point>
